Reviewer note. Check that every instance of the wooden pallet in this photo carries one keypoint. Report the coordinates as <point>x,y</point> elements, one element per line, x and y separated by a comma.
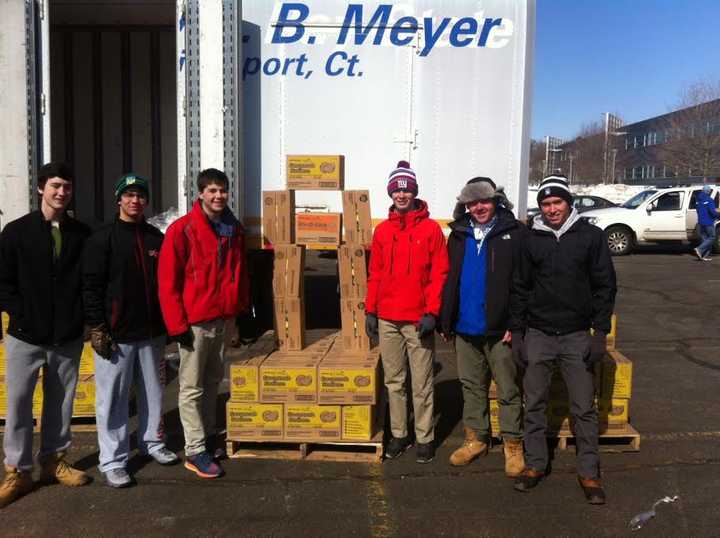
<point>348,451</point>
<point>621,439</point>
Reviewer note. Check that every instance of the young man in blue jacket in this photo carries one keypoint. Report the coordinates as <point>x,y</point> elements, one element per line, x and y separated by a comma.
<point>483,248</point>
<point>707,215</point>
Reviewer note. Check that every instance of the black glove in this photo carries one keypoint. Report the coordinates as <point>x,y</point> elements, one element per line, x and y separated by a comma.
<point>185,339</point>
<point>598,348</point>
<point>371,326</point>
<point>426,325</point>
<point>101,341</point>
<point>518,349</point>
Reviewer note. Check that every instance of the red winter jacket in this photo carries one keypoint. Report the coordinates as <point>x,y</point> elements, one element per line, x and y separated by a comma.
<point>408,266</point>
<point>201,276</point>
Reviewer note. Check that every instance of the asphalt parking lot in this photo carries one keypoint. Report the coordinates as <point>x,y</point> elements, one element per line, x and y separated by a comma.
<point>669,324</point>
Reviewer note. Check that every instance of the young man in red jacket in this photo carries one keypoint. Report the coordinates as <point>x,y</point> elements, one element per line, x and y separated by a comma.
<point>408,268</point>
<point>202,282</point>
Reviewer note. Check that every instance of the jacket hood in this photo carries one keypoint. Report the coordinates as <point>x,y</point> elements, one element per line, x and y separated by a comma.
<point>539,224</point>
<point>412,217</point>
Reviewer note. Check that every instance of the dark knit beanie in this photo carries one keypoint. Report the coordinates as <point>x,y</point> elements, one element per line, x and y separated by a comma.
<point>131,180</point>
<point>554,185</point>
<point>402,178</point>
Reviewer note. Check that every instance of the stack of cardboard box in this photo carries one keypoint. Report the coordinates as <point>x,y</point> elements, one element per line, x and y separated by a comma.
<point>613,389</point>
<point>320,394</point>
<point>315,387</point>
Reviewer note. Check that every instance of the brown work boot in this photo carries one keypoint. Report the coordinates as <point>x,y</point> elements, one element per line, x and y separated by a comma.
<point>593,490</point>
<point>16,484</point>
<point>528,479</point>
<point>514,459</point>
<point>55,468</point>
<point>471,448</point>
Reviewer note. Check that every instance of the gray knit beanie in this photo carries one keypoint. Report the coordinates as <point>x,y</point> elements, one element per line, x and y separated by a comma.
<point>480,188</point>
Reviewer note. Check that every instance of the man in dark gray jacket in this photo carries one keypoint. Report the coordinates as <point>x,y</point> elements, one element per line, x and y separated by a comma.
<point>563,287</point>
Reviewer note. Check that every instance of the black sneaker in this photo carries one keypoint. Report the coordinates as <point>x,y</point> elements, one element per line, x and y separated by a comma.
<point>397,446</point>
<point>529,479</point>
<point>425,452</point>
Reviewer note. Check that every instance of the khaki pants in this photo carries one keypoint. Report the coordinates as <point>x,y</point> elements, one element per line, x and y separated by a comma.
<point>400,347</point>
<point>201,371</point>
<point>479,359</point>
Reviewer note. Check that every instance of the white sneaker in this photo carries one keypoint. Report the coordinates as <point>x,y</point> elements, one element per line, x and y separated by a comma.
<point>698,253</point>
<point>706,259</point>
<point>164,456</point>
<point>118,478</point>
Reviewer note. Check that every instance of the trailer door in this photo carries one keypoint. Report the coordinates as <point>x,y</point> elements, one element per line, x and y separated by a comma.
<point>37,36</point>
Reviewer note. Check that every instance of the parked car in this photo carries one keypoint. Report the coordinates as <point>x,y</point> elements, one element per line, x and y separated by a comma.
<point>652,216</point>
<point>582,202</point>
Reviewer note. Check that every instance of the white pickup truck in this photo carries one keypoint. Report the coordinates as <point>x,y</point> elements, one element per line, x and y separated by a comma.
<point>652,216</point>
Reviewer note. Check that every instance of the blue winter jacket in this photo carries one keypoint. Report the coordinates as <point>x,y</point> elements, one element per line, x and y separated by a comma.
<point>706,210</point>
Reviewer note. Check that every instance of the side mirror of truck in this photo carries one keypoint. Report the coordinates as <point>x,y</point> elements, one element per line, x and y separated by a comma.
<point>648,209</point>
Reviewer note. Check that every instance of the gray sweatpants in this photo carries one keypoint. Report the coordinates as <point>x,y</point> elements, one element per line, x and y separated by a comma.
<point>23,364</point>
<point>113,379</point>
<point>571,351</point>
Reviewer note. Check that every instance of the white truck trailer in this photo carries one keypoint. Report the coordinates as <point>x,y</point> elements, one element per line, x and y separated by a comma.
<point>166,89</point>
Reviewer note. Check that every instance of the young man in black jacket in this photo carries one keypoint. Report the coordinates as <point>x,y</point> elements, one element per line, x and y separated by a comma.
<point>564,286</point>
<point>40,290</point>
<point>483,248</point>
<point>122,311</point>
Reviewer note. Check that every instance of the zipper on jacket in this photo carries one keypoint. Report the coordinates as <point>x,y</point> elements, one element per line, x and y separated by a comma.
<point>140,250</point>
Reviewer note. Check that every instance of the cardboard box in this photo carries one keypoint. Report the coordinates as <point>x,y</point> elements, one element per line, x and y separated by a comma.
<point>245,380</point>
<point>317,228</point>
<point>288,271</point>
<point>359,422</point>
<point>617,372</point>
<point>289,378</point>
<point>316,172</point>
<point>352,315</point>
<point>318,342</point>
<point>613,410</point>
<point>348,380</point>
<point>277,218</point>
<point>312,422</point>
<point>87,360</point>
<point>84,404</point>
<point>357,221</point>
<point>4,321</point>
<point>2,359</point>
<point>254,421</point>
<point>290,323</point>
<point>352,266</point>
<point>494,418</point>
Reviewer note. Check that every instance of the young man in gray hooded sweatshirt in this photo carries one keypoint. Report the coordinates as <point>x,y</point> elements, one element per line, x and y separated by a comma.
<point>564,286</point>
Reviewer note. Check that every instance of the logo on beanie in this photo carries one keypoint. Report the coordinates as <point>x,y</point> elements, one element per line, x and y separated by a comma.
<point>547,192</point>
<point>402,184</point>
<point>130,181</point>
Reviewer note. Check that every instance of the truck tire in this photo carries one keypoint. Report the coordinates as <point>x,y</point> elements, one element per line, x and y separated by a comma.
<point>620,240</point>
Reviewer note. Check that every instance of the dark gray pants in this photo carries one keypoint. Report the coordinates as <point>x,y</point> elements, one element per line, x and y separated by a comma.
<point>571,351</point>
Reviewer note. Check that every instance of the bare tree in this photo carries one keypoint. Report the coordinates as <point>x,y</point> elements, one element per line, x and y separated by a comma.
<point>537,161</point>
<point>582,157</point>
<point>691,137</point>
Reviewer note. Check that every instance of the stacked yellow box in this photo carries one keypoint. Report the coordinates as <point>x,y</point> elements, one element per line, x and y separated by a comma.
<point>321,394</point>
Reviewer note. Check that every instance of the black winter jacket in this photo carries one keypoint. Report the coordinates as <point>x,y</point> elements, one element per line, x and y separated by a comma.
<point>120,286</point>
<point>503,249</point>
<point>566,285</point>
<point>41,294</point>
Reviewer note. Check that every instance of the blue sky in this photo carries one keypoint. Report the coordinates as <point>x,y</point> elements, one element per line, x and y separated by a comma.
<point>630,57</point>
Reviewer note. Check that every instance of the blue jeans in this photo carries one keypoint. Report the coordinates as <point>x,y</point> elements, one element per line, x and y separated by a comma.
<point>707,233</point>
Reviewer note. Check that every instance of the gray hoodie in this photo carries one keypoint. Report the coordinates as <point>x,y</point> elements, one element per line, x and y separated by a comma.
<point>539,224</point>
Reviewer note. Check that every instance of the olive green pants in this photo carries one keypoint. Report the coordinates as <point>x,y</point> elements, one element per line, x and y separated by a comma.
<point>478,360</point>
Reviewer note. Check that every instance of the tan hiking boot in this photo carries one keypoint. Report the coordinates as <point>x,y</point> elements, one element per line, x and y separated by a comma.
<point>55,468</point>
<point>514,459</point>
<point>16,484</point>
<point>471,448</point>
